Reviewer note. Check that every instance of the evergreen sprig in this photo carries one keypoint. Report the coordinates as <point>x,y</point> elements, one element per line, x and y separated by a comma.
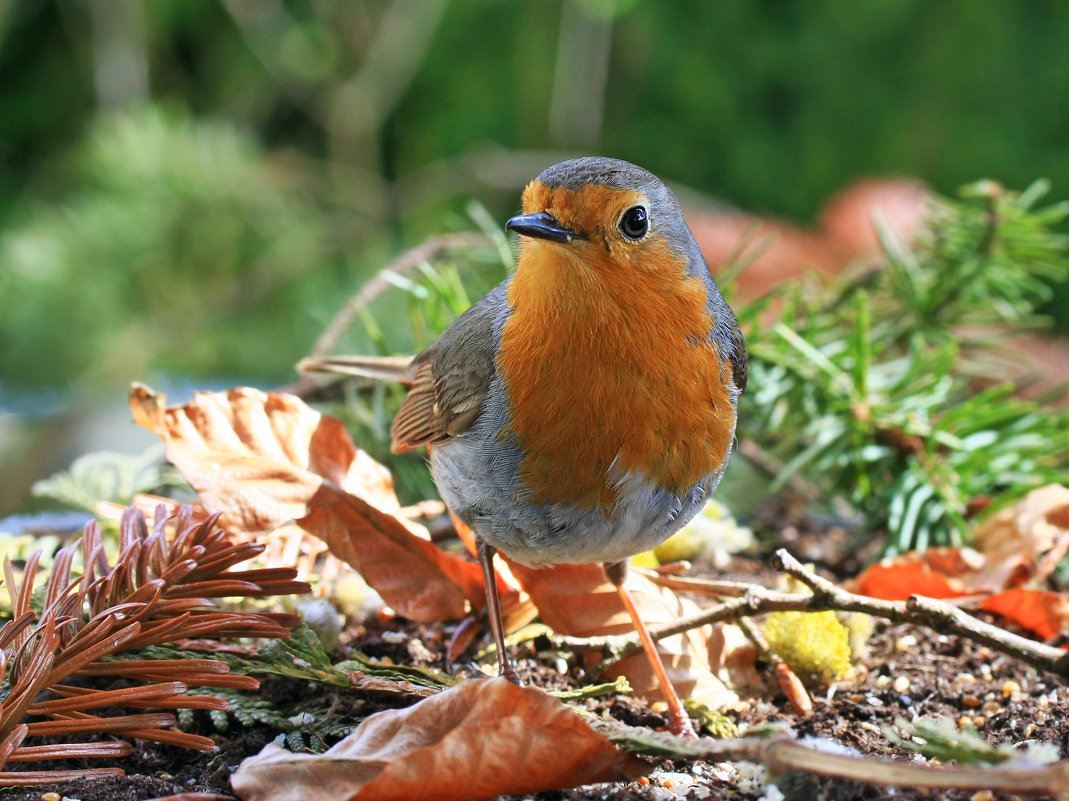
<point>873,391</point>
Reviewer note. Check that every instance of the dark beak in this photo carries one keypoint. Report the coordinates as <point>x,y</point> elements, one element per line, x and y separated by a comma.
<point>542,225</point>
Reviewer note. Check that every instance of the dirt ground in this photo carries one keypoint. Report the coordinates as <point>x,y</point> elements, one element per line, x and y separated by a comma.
<point>907,672</point>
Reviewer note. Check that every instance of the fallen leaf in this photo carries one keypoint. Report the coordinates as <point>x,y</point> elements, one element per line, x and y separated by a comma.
<point>1028,539</point>
<point>479,740</point>
<point>1044,612</point>
<point>1022,542</point>
<point>579,601</point>
<point>418,580</point>
<point>936,573</point>
<point>263,460</point>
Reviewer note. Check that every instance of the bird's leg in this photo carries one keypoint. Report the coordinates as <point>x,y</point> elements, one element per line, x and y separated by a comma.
<point>678,720</point>
<point>493,610</point>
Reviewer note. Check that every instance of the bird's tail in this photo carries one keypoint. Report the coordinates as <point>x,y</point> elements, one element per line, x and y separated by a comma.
<point>381,368</point>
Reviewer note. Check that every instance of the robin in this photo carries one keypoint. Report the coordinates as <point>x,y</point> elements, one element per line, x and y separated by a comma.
<point>584,410</point>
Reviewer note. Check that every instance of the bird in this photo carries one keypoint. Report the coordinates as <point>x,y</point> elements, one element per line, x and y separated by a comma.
<point>585,409</point>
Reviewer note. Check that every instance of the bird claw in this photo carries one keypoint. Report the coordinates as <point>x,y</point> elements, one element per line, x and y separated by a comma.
<point>680,725</point>
<point>510,674</point>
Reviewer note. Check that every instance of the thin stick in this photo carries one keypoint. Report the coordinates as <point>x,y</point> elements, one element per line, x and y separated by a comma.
<point>939,616</point>
<point>406,262</point>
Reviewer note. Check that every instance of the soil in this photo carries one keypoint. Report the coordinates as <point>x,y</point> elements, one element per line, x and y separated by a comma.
<point>946,676</point>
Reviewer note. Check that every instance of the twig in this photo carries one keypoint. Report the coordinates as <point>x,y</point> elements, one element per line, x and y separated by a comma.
<point>409,260</point>
<point>406,262</point>
<point>939,616</point>
<point>782,754</point>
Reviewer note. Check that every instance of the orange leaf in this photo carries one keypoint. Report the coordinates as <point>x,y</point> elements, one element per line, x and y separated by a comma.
<point>936,573</point>
<point>1044,612</point>
<point>263,460</point>
<point>479,740</point>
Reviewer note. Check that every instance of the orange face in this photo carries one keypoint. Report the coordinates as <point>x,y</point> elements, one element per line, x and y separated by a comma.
<point>607,359</point>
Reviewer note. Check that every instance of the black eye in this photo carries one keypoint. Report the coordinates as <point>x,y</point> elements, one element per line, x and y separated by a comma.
<point>635,222</point>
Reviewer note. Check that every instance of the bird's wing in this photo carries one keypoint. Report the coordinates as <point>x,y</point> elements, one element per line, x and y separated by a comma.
<point>450,379</point>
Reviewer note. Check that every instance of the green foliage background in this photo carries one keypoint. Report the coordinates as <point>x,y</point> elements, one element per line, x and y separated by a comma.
<point>191,188</point>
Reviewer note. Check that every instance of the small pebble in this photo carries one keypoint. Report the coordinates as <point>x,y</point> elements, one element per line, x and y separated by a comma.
<point>1010,688</point>
<point>901,684</point>
<point>964,721</point>
<point>979,721</point>
<point>882,681</point>
<point>982,795</point>
<point>971,701</point>
<point>991,708</point>
<point>50,796</point>
<point>965,678</point>
<point>906,642</point>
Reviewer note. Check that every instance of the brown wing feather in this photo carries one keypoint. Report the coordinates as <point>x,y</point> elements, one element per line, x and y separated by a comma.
<point>418,421</point>
<point>450,379</point>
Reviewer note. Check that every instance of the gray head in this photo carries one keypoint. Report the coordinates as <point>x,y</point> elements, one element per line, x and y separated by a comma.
<point>624,207</point>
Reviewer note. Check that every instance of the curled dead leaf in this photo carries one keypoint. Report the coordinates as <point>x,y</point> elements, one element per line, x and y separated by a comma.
<point>263,460</point>
<point>1028,539</point>
<point>479,740</point>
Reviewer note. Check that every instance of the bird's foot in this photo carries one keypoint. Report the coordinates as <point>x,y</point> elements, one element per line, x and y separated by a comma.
<point>505,671</point>
<point>679,724</point>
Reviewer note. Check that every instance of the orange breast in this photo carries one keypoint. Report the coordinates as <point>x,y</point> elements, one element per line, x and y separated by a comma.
<point>608,362</point>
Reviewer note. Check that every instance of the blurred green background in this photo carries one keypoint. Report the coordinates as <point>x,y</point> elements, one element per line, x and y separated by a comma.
<point>190,189</point>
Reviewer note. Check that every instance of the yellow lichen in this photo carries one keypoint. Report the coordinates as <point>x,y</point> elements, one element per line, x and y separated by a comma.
<point>815,645</point>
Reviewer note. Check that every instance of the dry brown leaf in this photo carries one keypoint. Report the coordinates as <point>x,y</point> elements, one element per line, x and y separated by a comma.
<point>578,600</point>
<point>479,740</point>
<point>420,581</point>
<point>263,460</point>
<point>1029,539</point>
